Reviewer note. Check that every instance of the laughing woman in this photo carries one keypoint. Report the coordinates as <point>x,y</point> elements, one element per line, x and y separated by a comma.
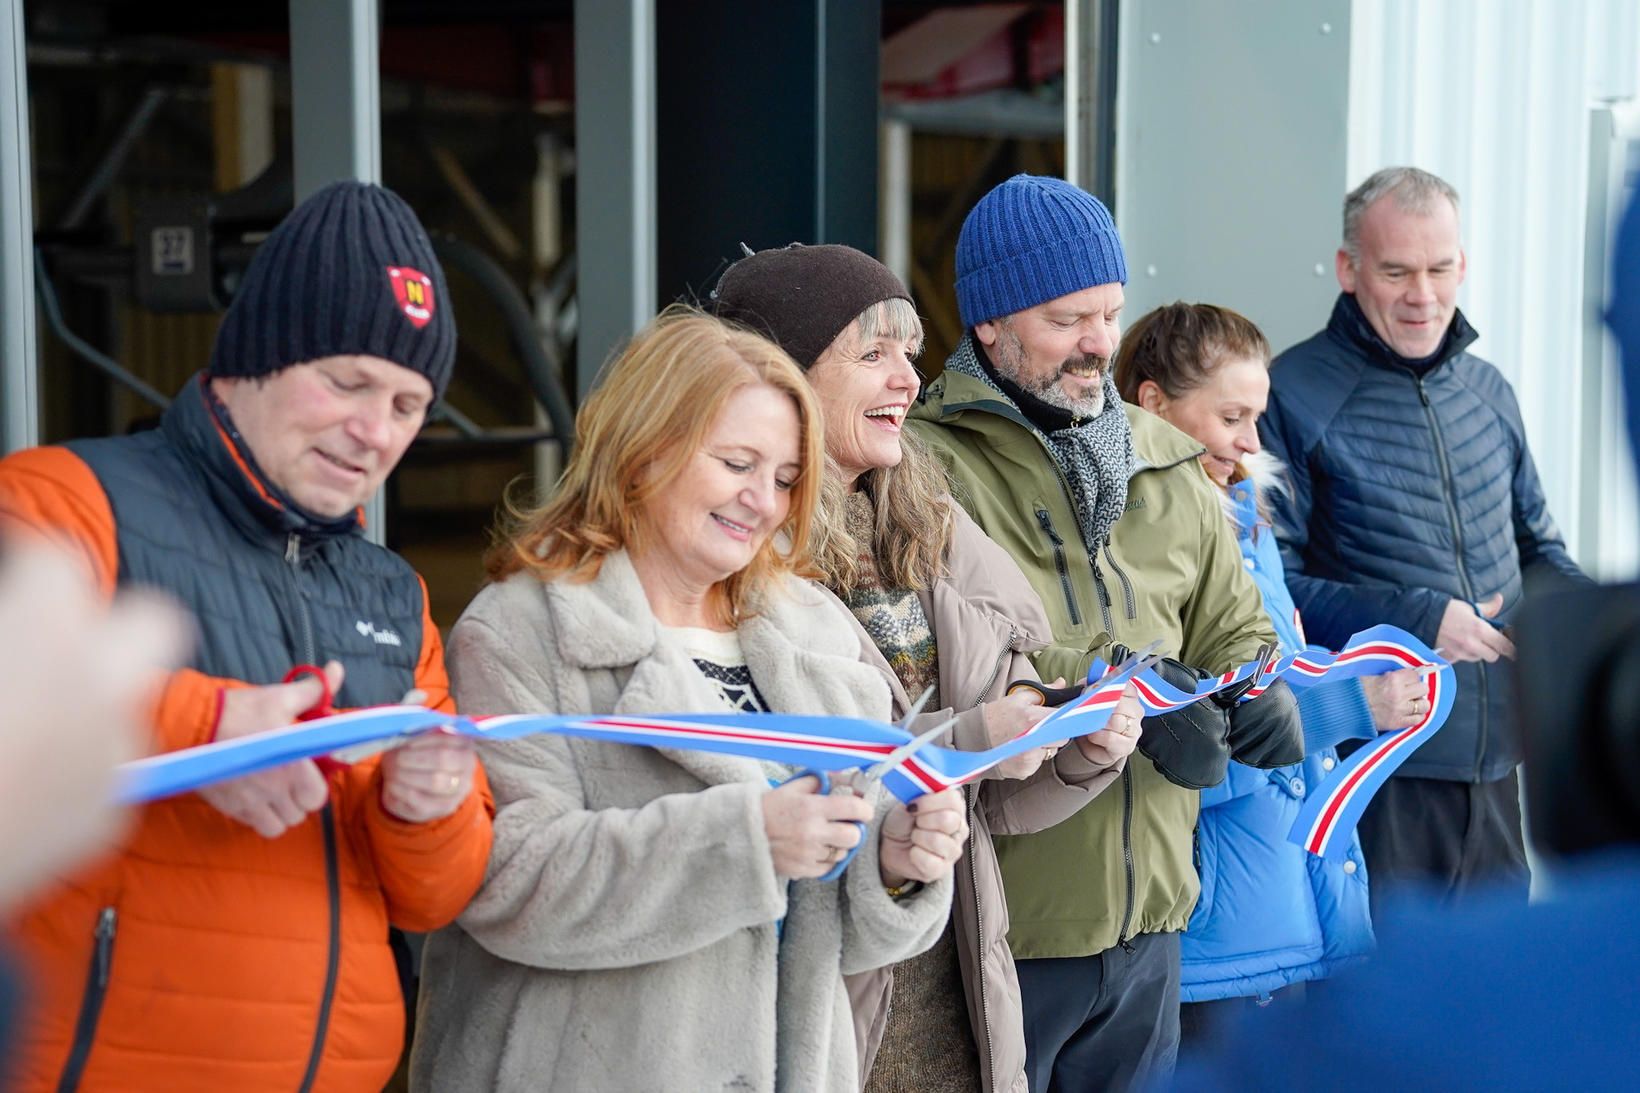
<point>946,607</point>
<point>651,918</point>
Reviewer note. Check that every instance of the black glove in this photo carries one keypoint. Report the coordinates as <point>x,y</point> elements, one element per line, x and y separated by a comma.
<point>1266,732</point>
<point>1190,746</point>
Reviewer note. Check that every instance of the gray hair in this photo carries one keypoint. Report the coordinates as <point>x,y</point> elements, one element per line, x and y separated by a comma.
<point>1415,191</point>
<point>894,318</point>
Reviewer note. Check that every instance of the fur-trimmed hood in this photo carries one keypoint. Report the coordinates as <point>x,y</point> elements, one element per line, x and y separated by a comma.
<point>1268,477</point>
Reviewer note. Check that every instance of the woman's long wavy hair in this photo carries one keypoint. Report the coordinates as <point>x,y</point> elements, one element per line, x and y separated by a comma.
<point>912,501</point>
<point>637,434</point>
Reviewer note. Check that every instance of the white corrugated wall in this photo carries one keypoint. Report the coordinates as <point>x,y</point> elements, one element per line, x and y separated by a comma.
<point>1494,96</point>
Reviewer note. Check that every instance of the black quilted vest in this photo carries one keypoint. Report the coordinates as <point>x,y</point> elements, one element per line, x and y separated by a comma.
<point>270,586</point>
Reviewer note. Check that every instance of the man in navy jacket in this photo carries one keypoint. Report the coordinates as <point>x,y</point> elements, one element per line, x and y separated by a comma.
<point>1416,502</point>
<point>1507,997</point>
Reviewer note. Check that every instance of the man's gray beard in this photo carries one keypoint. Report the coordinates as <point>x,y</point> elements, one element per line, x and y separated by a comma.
<point>1054,395</point>
<point>1012,363</point>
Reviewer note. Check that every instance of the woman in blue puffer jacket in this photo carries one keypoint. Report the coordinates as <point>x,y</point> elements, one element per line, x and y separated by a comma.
<point>1270,914</point>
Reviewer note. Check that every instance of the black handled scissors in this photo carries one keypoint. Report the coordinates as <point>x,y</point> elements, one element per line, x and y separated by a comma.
<point>1058,696</point>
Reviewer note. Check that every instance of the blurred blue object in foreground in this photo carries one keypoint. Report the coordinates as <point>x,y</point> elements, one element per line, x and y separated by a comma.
<point>1499,998</point>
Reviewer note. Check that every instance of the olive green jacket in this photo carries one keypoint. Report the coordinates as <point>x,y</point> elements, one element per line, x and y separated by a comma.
<point>1123,865</point>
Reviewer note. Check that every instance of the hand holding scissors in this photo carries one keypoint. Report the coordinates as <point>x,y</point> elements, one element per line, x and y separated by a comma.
<point>273,801</point>
<point>424,775</point>
<point>1056,694</point>
<point>816,832</point>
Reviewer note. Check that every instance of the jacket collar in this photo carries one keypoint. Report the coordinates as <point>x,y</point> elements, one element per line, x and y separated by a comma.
<point>1349,325</point>
<point>198,425</point>
<point>802,652</point>
<point>1156,444</point>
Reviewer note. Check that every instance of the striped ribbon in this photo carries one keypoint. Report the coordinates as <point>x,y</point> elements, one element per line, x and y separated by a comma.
<point>804,741</point>
<point>1328,818</point>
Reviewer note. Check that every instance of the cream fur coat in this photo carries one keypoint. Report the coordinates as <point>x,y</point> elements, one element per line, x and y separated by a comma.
<point>625,936</point>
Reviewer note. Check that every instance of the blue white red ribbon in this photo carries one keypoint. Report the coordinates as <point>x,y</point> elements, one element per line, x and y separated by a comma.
<point>1327,818</point>
<point>835,743</point>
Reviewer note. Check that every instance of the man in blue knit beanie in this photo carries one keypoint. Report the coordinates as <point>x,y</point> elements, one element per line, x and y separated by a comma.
<point>1108,510</point>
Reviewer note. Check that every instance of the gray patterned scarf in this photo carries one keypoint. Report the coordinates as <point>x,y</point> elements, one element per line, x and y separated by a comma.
<point>1096,455</point>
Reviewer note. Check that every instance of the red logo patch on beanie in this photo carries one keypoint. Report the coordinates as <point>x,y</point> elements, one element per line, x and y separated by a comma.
<point>413,290</point>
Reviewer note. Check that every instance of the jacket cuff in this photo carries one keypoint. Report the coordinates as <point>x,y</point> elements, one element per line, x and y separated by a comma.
<point>884,930</point>
<point>1334,712</point>
<point>897,929</point>
<point>1427,627</point>
<point>428,871</point>
<point>188,709</point>
<point>967,733</point>
<point>1073,769</point>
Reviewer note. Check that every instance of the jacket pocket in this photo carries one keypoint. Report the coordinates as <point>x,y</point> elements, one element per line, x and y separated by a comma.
<point>1060,564</point>
<point>91,1004</point>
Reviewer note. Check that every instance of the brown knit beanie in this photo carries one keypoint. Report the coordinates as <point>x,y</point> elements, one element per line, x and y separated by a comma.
<point>802,297</point>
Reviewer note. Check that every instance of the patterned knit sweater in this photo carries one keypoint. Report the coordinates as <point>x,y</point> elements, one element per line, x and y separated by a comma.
<point>892,616</point>
<point>928,1046</point>
<point>718,657</point>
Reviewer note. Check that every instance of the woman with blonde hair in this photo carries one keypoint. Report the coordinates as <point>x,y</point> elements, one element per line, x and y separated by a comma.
<point>946,608</point>
<point>651,918</point>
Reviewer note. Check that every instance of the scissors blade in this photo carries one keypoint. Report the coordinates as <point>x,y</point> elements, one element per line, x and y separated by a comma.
<point>917,707</point>
<point>1138,659</point>
<point>900,754</point>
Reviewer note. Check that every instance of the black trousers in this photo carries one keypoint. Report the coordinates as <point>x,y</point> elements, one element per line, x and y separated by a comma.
<point>1445,841</point>
<point>1107,1021</point>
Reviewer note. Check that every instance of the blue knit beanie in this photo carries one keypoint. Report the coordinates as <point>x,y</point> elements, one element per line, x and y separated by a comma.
<point>1030,240</point>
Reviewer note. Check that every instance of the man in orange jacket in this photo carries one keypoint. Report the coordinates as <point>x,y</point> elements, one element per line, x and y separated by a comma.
<point>239,937</point>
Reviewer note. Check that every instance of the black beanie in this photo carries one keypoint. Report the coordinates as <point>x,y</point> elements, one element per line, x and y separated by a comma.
<point>349,272</point>
<point>802,297</point>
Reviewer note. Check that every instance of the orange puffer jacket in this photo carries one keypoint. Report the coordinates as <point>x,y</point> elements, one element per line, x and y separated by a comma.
<point>200,955</point>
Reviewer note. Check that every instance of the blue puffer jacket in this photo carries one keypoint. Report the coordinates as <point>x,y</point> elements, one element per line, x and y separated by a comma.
<point>1270,914</point>
<point>1410,488</point>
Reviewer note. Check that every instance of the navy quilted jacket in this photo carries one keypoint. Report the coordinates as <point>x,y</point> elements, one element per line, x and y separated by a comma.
<point>1410,487</point>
